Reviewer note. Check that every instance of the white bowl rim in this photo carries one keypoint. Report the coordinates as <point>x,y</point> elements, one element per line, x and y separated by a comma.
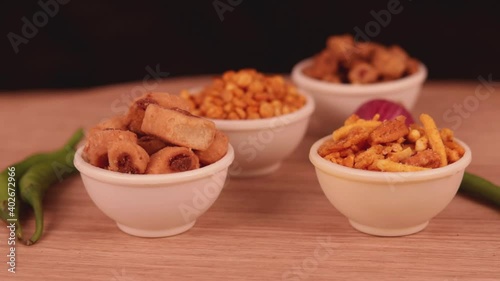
<point>338,170</point>
<point>135,180</point>
<point>266,123</point>
<point>327,88</point>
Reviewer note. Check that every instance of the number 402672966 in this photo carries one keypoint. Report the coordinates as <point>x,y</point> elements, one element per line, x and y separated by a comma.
<point>11,190</point>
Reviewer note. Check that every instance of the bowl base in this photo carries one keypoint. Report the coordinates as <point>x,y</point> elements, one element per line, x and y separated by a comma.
<point>388,231</point>
<point>155,233</point>
<point>262,171</point>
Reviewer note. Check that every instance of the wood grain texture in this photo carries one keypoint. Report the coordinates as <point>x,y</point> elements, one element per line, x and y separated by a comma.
<point>278,227</point>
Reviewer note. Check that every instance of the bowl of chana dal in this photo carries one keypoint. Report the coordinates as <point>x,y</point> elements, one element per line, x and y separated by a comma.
<point>347,73</point>
<point>387,178</point>
<point>264,117</point>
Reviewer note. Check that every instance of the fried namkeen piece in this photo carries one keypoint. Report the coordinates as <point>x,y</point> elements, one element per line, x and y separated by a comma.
<point>389,131</point>
<point>365,50</point>
<point>138,107</point>
<point>327,148</point>
<point>324,64</point>
<point>412,66</point>
<point>446,134</point>
<point>348,161</point>
<point>366,158</point>
<point>95,151</point>
<point>454,151</point>
<point>417,128</point>
<point>172,159</point>
<point>421,144</point>
<point>386,165</point>
<point>427,158</point>
<point>116,122</point>
<point>413,135</point>
<point>399,156</point>
<point>136,113</point>
<point>356,136</point>
<point>362,73</point>
<point>341,46</point>
<point>435,141</point>
<point>215,151</point>
<point>151,144</point>
<point>127,157</point>
<point>351,119</point>
<point>343,131</point>
<point>390,64</point>
<point>178,127</point>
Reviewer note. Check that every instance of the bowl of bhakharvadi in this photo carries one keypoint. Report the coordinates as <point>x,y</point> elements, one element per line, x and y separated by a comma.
<point>347,73</point>
<point>155,170</point>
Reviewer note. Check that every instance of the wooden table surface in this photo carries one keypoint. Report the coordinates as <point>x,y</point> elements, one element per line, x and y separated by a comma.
<point>268,228</point>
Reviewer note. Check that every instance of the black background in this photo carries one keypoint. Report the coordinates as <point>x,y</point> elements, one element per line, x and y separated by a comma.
<point>93,42</point>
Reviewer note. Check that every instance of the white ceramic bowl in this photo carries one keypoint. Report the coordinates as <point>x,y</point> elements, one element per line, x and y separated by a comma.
<point>261,145</point>
<point>388,203</point>
<point>154,205</point>
<point>336,102</point>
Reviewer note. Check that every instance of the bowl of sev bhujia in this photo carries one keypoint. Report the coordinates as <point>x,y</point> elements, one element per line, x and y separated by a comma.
<point>155,170</point>
<point>387,178</point>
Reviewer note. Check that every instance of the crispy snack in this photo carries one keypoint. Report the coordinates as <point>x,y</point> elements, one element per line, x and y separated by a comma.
<point>215,151</point>
<point>434,137</point>
<point>391,145</point>
<point>167,132</point>
<point>389,131</point>
<point>178,127</point>
<point>386,165</point>
<point>368,125</point>
<point>127,157</point>
<point>98,142</point>
<point>136,111</point>
<point>346,61</point>
<point>324,65</point>
<point>116,122</point>
<point>245,94</point>
<point>390,62</point>
<point>172,159</point>
<point>151,144</point>
<point>362,73</point>
<point>426,158</point>
<point>341,46</point>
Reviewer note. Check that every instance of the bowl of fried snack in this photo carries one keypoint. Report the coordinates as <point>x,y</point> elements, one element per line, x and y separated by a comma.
<point>388,178</point>
<point>155,170</point>
<point>264,117</point>
<point>347,73</point>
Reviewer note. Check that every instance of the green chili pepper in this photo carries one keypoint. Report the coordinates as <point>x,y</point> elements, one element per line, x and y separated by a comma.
<point>480,188</point>
<point>36,182</point>
<point>18,170</point>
